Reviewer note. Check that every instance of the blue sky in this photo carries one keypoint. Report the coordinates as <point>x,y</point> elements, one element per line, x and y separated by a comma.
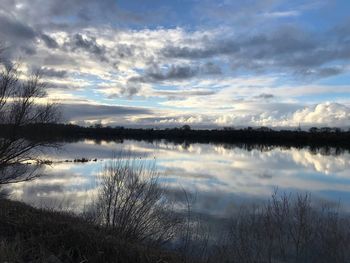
<point>162,63</point>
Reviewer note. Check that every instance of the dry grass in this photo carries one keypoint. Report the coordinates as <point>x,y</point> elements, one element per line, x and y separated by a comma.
<point>33,235</point>
<point>288,229</point>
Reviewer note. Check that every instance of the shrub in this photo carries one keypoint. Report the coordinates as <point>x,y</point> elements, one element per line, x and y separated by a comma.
<point>132,204</point>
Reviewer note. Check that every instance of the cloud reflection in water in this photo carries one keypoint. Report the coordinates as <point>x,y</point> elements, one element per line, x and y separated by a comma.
<point>221,176</point>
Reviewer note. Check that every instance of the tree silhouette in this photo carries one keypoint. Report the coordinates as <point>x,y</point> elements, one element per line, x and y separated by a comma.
<point>21,104</point>
<point>186,127</point>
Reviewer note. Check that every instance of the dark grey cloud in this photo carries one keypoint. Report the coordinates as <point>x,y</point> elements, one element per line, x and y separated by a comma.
<point>320,72</point>
<point>155,74</point>
<point>124,51</point>
<point>74,15</point>
<point>288,48</point>
<point>265,175</point>
<point>304,52</point>
<point>12,28</point>
<point>57,60</point>
<point>241,12</point>
<point>185,92</point>
<point>176,72</point>
<point>88,44</point>
<point>182,94</point>
<point>131,89</point>
<point>210,68</point>
<point>284,40</point>
<point>17,37</point>
<point>92,111</point>
<point>341,31</point>
<point>49,41</point>
<point>330,71</point>
<point>60,86</point>
<point>209,49</point>
<point>28,50</point>
<point>264,96</point>
<point>52,73</point>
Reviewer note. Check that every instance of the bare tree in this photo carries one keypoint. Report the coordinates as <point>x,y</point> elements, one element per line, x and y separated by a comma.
<point>132,204</point>
<point>20,107</point>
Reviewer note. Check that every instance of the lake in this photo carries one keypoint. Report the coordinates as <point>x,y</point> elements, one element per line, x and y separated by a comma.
<point>219,177</point>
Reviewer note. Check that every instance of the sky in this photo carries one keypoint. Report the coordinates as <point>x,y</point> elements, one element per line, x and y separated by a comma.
<point>167,63</point>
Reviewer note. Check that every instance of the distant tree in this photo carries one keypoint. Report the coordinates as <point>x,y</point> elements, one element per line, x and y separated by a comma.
<point>264,129</point>
<point>313,129</point>
<point>186,127</point>
<point>326,129</point>
<point>21,105</point>
<point>298,129</point>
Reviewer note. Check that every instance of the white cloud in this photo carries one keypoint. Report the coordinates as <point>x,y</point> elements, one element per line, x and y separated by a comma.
<point>280,14</point>
<point>252,113</point>
<point>334,114</point>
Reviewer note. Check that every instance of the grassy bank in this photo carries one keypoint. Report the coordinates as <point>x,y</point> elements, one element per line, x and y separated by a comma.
<point>281,231</point>
<point>28,234</point>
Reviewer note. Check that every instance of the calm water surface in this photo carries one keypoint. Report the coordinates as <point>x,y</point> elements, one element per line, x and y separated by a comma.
<point>221,177</point>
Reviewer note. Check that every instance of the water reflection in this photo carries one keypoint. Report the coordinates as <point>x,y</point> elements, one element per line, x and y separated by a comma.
<point>222,176</point>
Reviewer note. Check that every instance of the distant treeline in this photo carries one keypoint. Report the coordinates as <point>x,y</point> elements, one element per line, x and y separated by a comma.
<point>314,137</point>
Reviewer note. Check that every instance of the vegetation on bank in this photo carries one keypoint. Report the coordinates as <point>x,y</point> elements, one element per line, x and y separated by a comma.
<point>19,108</point>
<point>314,137</point>
<point>284,230</point>
<point>28,234</point>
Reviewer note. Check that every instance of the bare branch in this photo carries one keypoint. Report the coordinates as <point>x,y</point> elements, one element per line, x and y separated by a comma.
<point>19,108</point>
